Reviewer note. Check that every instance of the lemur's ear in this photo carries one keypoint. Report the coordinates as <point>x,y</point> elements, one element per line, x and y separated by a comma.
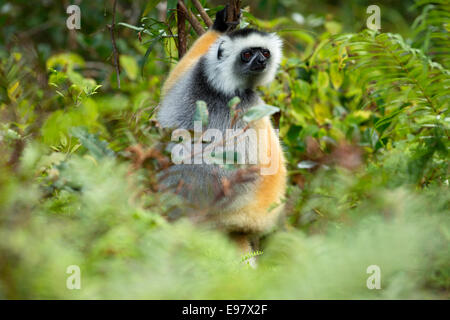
<point>220,23</point>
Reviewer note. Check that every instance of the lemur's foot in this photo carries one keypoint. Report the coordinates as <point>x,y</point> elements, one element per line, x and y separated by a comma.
<point>245,247</point>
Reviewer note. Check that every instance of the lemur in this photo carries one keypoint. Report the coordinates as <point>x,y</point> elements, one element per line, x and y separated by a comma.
<point>218,67</point>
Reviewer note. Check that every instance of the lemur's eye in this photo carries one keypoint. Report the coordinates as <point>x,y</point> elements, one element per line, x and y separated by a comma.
<point>266,53</point>
<point>246,56</point>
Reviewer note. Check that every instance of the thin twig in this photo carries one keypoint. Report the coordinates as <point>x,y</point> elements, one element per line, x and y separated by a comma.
<point>168,24</point>
<point>181,26</point>
<point>113,40</point>
<point>202,13</point>
<point>191,18</point>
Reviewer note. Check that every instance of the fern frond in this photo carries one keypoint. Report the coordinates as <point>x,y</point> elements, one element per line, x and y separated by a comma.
<point>432,30</point>
<point>412,90</point>
<point>387,65</point>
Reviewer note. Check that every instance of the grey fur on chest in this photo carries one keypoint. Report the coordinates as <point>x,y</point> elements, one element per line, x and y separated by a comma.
<point>178,106</point>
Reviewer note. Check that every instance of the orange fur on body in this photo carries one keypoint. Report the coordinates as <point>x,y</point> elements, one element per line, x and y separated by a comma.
<point>263,208</point>
<point>272,186</point>
<point>198,49</point>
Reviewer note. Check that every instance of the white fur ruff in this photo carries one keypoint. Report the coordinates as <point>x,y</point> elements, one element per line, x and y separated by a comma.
<point>220,72</point>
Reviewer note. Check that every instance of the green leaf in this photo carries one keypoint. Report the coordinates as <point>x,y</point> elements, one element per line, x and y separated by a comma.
<point>150,6</point>
<point>234,102</point>
<point>336,76</point>
<point>302,89</point>
<point>258,112</point>
<point>333,27</point>
<point>130,66</point>
<point>221,157</point>
<point>98,148</point>
<point>11,134</point>
<point>323,80</point>
<point>65,60</point>
<point>143,61</point>
<point>130,26</point>
<point>306,164</point>
<point>171,5</point>
<point>201,112</point>
<point>63,139</point>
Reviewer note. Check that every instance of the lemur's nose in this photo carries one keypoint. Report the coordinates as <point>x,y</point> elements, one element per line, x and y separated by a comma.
<point>259,63</point>
<point>262,60</point>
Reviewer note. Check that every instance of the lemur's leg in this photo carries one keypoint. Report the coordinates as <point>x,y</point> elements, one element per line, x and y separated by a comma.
<point>242,240</point>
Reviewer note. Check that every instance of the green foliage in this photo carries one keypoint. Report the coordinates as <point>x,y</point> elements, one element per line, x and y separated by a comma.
<point>201,113</point>
<point>259,112</point>
<point>431,30</point>
<point>409,89</point>
<point>99,149</point>
<point>363,118</point>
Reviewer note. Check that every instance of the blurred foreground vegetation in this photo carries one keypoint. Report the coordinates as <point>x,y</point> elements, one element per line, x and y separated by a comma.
<point>364,122</point>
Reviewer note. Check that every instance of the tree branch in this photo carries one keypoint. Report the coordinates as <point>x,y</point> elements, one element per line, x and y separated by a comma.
<point>191,18</point>
<point>233,13</point>
<point>203,13</point>
<point>113,40</point>
<point>181,26</point>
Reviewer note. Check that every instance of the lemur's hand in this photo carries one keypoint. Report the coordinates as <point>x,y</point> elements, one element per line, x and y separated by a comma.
<point>221,24</point>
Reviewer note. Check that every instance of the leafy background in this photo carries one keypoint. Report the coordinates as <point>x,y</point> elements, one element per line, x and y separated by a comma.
<point>364,124</point>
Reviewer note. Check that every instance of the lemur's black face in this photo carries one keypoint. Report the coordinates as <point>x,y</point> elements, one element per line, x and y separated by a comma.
<point>255,59</point>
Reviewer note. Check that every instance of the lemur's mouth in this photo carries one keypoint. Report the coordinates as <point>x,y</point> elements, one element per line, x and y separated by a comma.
<point>258,68</point>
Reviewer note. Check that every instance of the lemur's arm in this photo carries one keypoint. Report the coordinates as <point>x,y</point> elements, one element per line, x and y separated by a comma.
<point>198,49</point>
